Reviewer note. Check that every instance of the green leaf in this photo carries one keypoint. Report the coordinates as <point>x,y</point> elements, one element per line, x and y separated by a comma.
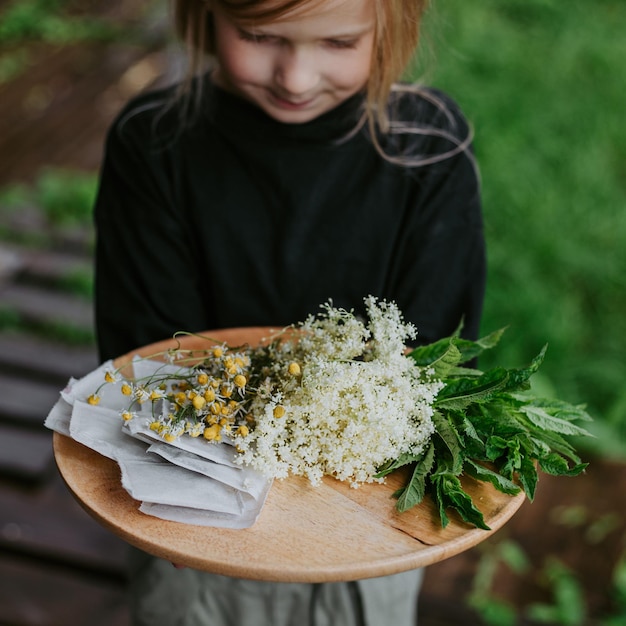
<point>569,606</point>
<point>486,475</point>
<point>442,357</point>
<point>557,408</point>
<point>451,439</point>
<point>518,378</point>
<point>424,356</point>
<point>496,447</point>
<point>528,477</point>
<point>493,611</point>
<point>459,393</point>
<point>546,442</point>
<point>415,489</point>
<point>496,417</point>
<point>450,494</point>
<point>404,459</point>
<point>542,419</point>
<point>473,349</point>
<point>543,613</point>
<point>464,372</point>
<point>512,554</point>
<point>472,440</point>
<point>555,465</point>
<point>508,453</point>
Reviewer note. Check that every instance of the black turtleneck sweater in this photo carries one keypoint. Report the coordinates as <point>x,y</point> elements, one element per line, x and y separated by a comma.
<point>235,219</point>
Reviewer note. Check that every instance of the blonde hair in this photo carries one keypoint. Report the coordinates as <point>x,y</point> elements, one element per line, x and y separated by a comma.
<point>395,39</point>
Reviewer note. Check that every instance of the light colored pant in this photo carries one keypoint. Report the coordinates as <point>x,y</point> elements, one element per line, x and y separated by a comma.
<point>164,596</point>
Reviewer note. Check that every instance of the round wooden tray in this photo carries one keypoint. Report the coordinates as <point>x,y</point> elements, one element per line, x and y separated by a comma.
<point>304,534</point>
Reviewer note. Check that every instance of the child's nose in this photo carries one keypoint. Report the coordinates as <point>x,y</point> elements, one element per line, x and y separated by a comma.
<point>296,72</point>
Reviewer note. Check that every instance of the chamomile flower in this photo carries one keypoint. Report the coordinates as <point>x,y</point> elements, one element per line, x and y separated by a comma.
<point>93,399</point>
<point>142,394</point>
<point>111,377</point>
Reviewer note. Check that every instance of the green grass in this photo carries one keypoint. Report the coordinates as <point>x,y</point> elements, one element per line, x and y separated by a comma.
<point>542,82</point>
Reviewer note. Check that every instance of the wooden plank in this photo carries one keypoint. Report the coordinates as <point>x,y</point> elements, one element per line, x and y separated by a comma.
<point>37,593</point>
<point>24,401</point>
<point>10,263</point>
<point>48,523</point>
<point>49,266</point>
<point>27,356</point>
<point>30,225</point>
<point>45,306</point>
<point>25,454</point>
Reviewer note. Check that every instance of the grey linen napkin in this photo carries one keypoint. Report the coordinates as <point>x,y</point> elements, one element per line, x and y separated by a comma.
<point>190,481</point>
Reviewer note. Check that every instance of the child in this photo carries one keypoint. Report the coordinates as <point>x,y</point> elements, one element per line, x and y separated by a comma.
<point>291,172</point>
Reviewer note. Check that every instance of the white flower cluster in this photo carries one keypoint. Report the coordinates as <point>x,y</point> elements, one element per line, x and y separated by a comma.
<point>356,401</point>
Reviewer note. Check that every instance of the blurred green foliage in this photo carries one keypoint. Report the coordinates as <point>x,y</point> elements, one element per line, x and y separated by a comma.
<point>55,330</point>
<point>56,22</point>
<point>52,21</point>
<point>65,197</point>
<point>567,600</point>
<point>542,83</point>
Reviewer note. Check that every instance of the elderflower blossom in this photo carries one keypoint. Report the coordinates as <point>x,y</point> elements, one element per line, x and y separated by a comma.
<point>346,416</point>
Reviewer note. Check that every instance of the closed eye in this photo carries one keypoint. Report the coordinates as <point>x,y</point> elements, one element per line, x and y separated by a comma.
<point>257,38</point>
<point>342,44</point>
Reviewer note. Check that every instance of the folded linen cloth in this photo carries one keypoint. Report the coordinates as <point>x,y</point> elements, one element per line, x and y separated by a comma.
<point>100,429</point>
<point>190,481</point>
<point>159,482</point>
<point>251,483</point>
<point>222,453</point>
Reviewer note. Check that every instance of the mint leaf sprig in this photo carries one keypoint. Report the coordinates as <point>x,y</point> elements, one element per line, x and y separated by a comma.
<point>488,426</point>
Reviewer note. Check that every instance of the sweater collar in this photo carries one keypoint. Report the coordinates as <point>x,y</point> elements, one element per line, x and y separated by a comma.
<point>233,115</point>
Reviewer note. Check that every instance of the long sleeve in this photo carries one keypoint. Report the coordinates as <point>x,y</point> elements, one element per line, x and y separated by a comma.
<point>439,274</point>
<point>146,281</point>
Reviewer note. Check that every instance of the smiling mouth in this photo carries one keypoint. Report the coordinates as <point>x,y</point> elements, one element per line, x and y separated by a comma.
<point>292,105</point>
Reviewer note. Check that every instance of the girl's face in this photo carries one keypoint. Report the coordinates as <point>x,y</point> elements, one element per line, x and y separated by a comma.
<point>300,66</point>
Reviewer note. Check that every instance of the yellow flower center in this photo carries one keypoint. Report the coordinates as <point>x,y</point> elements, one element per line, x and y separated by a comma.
<point>198,403</point>
<point>243,431</point>
<point>294,369</point>
<point>212,433</point>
